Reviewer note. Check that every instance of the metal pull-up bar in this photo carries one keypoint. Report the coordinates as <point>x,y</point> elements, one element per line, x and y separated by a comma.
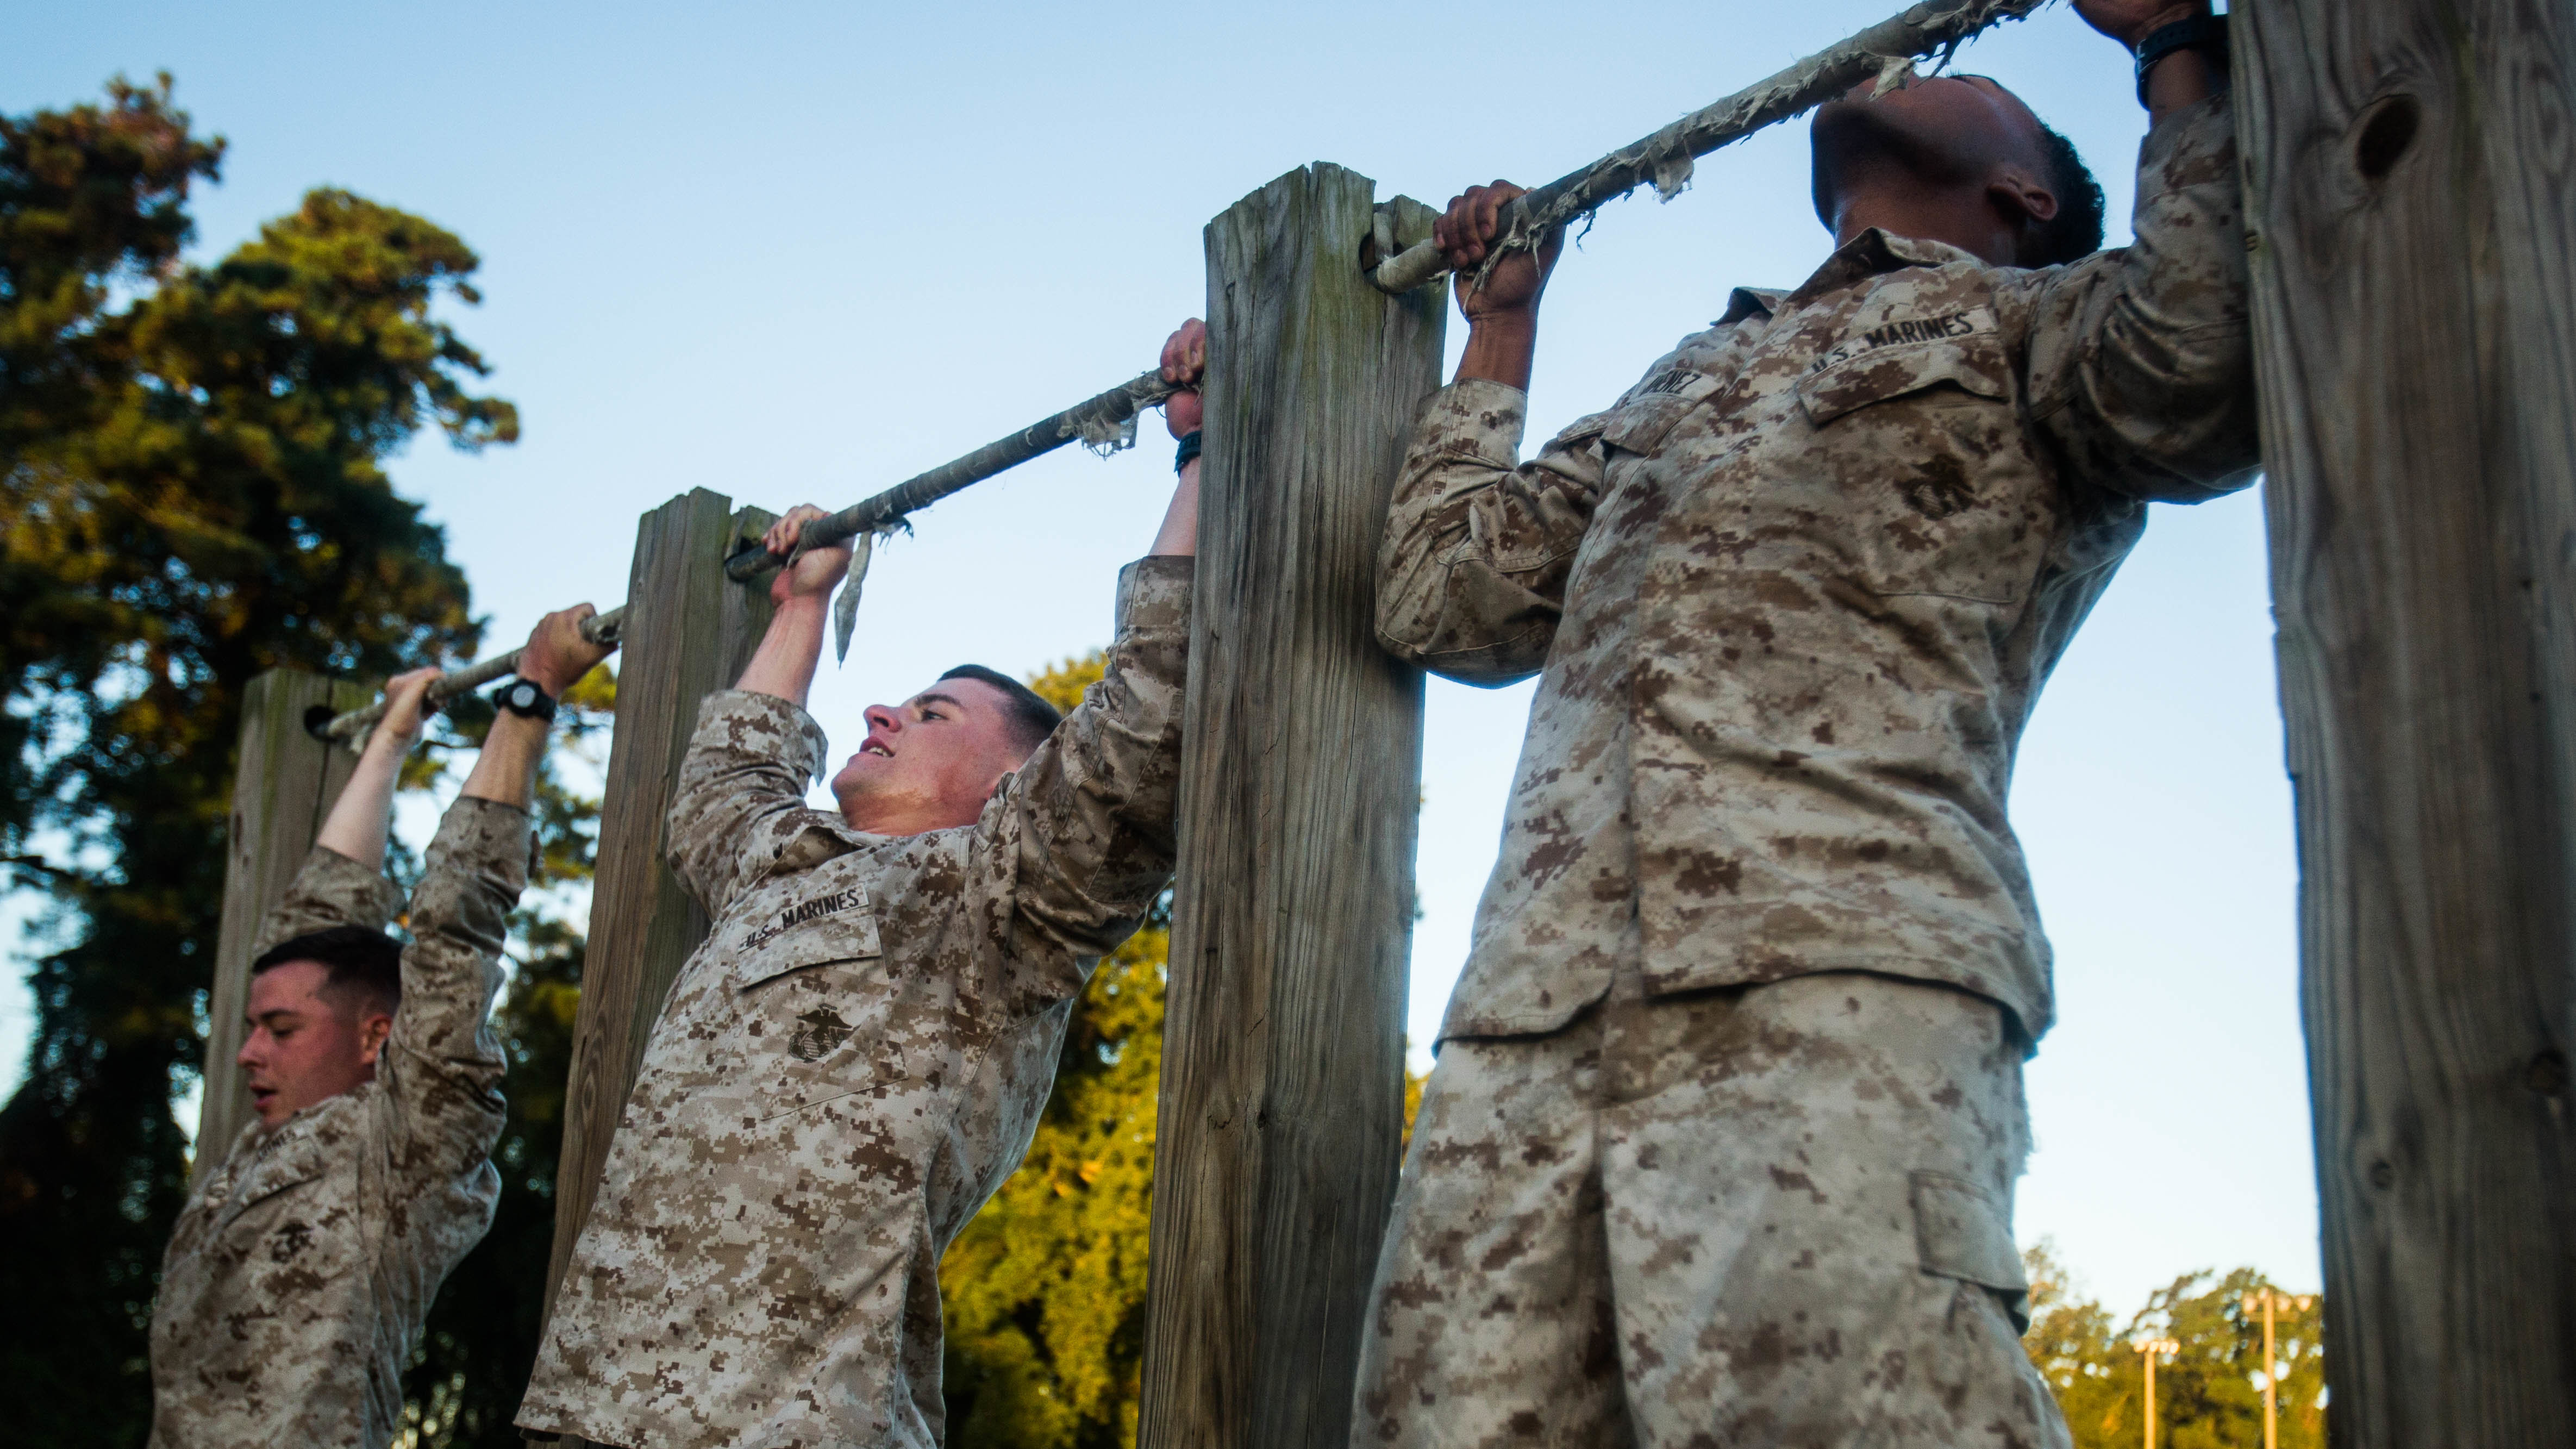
<point>1100,420</point>
<point>351,729</point>
<point>1664,158</point>
<point>1884,50</point>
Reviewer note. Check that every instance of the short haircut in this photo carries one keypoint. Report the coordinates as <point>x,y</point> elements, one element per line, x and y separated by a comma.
<point>2076,231</point>
<point>365,966</point>
<point>1030,718</point>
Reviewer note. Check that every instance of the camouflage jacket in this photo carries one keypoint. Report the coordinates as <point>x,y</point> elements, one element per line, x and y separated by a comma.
<point>294,1287</point>
<point>849,1066</point>
<point>1796,592</point>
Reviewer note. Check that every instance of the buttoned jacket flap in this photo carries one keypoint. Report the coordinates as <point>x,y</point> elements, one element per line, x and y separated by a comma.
<point>1961,1233</point>
<point>1973,362</point>
<point>1640,424</point>
<point>841,929</point>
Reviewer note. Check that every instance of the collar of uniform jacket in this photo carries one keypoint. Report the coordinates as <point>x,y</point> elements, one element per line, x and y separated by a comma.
<point>1873,253</point>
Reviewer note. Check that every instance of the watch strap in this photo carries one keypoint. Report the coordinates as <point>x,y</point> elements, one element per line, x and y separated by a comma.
<point>2204,32</point>
<point>519,696</point>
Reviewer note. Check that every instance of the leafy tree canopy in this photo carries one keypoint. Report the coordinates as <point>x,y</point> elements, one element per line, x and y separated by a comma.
<point>191,492</point>
<point>1044,1292</point>
<point>2209,1395</point>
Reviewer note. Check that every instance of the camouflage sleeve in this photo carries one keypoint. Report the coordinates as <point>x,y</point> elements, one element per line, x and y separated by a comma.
<point>2140,361</point>
<point>442,1065</point>
<point>1082,840</point>
<point>329,890</point>
<point>1471,573</point>
<point>741,799</point>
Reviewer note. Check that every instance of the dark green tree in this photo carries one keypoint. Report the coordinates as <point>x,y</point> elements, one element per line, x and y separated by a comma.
<point>191,492</point>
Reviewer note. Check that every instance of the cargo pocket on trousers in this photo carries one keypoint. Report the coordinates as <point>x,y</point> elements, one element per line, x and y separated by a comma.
<point>1960,1233</point>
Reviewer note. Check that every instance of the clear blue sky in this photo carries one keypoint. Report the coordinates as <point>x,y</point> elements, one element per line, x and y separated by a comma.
<point>799,252</point>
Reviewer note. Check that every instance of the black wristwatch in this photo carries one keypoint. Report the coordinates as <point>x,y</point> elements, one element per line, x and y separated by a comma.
<point>520,697</point>
<point>2206,32</point>
<point>1188,452</point>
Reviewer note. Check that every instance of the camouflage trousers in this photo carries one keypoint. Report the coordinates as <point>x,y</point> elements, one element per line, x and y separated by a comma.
<point>1777,1216</point>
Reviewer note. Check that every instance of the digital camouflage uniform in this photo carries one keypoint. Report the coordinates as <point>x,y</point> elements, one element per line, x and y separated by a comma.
<point>294,1287</point>
<point>849,1066</point>
<point>1794,595</point>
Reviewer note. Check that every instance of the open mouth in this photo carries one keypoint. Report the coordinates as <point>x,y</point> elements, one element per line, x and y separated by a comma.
<point>874,748</point>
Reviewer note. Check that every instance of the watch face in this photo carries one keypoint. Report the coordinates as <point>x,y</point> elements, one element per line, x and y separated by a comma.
<point>523,695</point>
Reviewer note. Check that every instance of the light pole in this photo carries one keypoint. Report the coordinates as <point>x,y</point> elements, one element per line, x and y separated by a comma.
<point>2150,1350</point>
<point>2268,1301</point>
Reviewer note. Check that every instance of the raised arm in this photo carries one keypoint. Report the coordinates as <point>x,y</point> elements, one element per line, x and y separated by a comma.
<point>1080,840</point>
<point>742,782</point>
<point>442,1066</point>
<point>783,665</point>
<point>1471,572</point>
<point>1472,569</point>
<point>356,825</point>
<point>555,659</point>
<point>2141,365</point>
<point>341,882</point>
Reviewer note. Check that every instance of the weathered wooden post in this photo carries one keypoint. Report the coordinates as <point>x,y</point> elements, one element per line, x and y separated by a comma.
<point>283,788</point>
<point>1282,1090</point>
<point>2412,199</point>
<point>689,632</point>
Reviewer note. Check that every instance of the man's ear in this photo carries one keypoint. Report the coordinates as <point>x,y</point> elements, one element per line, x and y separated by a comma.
<point>2021,198</point>
<point>373,1028</point>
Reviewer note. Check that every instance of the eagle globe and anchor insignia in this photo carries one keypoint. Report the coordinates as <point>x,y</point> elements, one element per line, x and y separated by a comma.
<point>818,1034</point>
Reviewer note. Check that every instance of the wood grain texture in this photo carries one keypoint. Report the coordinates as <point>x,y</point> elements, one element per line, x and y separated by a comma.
<point>1282,1089</point>
<point>283,786</point>
<point>689,632</point>
<point>2414,215</point>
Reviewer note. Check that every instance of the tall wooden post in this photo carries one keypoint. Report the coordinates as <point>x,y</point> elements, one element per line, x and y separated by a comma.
<point>1282,1089</point>
<point>282,789</point>
<point>2412,198</point>
<point>689,632</point>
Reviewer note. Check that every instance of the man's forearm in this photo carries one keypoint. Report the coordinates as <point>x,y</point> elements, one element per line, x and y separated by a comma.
<point>1500,349</point>
<point>1179,536</point>
<point>784,663</point>
<point>2184,78</point>
<point>356,825</point>
<point>506,770</point>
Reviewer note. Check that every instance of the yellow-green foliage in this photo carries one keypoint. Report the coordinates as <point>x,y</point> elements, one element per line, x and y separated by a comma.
<point>2208,1396</point>
<point>1045,1290</point>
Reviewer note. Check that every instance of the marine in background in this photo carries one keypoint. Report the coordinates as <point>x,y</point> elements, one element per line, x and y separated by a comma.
<point>302,1266</point>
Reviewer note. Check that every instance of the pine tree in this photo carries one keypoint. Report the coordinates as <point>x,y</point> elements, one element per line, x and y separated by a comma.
<point>191,492</point>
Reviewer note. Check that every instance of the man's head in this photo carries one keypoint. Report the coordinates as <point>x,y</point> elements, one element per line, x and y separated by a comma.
<point>1957,159</point>
<point>931,762</point>
<point>321,1006</point>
